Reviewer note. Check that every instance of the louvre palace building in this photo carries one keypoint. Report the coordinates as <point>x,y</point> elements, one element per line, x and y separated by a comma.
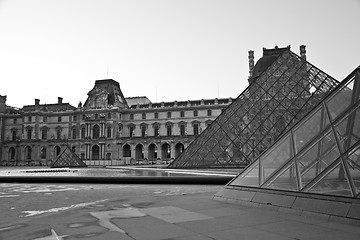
<point>108,129</point>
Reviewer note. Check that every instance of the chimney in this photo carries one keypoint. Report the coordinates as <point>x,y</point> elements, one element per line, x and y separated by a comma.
<point>251,63</point>
<point>2,104</point>
<point>60,100</point>
<point>303,52</point>
<point>37,102</point>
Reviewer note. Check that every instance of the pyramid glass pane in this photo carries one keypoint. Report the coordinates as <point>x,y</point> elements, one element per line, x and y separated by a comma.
<point>353,162</point>
<point>250,177</point>
<point>286,179</point>
<point>325,156</point>
<point>275,159</point>
<point>335,182</point>
<point>275,100</point>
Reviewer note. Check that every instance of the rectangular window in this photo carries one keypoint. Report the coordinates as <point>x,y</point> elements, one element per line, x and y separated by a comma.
<point>168,114</point>
<point>196,129</point>
<point>209,113</point>
<point>182,129</point>
<point>74,118</point>
<point>195,113</point>
<point>74,133</point>
<point>109,132</point>
<point>15,120</point>
<point>59,119</point>
<point>44,134</point>
<point>29,133</point>
<point>156,130</point>
<point>58,134</point>
<point>29,119</point>
<point>143,131</point>
<point>82,156</point>
<point>131,131</point>
<point>131,116</point>
<point>156,115</point>
<point>83,132</point>
<point>13,135</point>
<point>108,156</point>
<point>182,114</point>
<point>169,130</point>
<point>143,116</point>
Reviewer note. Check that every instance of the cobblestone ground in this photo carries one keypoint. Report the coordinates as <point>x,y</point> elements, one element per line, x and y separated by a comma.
<point>146,212</point>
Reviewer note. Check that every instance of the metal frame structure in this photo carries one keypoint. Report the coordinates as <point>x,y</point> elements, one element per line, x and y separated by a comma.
<point>320,154</point>
<point>275,100</point>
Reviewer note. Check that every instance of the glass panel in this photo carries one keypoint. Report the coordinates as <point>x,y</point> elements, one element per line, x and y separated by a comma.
<point>340,102</point>
<point>353,162</point>
<point>249,177</point>
<point>307,130</point>
<point>275,158</point>
<point>287,180</point>
<point>334,183</point>
<point>309,164</point>
<point>356,128</point>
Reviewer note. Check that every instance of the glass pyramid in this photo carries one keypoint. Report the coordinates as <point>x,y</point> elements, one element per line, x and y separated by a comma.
<point>320,154</point>
<point>68,158</point>
<point>284,88</point>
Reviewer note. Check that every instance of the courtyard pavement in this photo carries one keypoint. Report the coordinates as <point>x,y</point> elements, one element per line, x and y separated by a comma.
<point>97,211</point>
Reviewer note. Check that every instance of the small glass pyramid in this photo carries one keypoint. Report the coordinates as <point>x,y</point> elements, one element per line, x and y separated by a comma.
<point>68,158</point>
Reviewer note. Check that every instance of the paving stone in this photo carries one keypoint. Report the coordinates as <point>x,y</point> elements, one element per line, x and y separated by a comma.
<point>174,215</point>
<point>150,228</point>
<point>354,211</point>
<point>293,229</point>
<point>246,233</point>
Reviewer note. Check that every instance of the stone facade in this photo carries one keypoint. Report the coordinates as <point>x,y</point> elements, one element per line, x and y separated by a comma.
<point>106,130</point>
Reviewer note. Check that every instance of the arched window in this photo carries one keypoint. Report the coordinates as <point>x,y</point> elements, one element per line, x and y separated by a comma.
<point>95,152</point>
<point>28,153</point>
<point>139,152</point>
<point>43,153</point>
<point>96,131</point>
<point>126,150</point>
<point>12,153</point>
<point>57,151</point>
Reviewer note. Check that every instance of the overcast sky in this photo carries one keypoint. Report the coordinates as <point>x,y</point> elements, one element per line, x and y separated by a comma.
<point>164,49</point>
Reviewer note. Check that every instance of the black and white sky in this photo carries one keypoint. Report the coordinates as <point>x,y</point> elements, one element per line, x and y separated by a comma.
<point>164,49</point>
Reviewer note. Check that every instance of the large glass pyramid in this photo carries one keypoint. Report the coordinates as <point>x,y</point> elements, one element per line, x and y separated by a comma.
<point>320,154</point>
<point>68,158</point>
<point>283,89</point>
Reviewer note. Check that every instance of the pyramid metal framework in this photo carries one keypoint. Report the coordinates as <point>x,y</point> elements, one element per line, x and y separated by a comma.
<point>275,100</point>
<point>68,158</point>
<point>320,154</point>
